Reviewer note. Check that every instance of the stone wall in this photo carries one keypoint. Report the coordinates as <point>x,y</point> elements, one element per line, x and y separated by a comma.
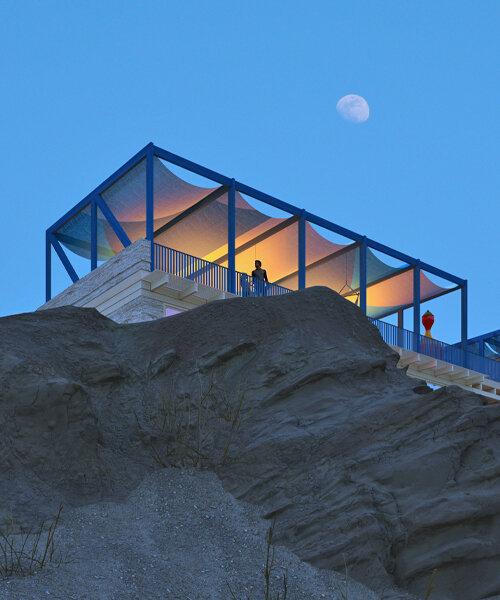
<point>108,275</point>
<point>139,309</point>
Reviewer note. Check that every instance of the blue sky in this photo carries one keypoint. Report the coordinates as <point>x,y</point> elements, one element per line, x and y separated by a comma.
<point>249,89</point>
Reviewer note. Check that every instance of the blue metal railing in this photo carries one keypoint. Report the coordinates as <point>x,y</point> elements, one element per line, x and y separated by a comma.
<point>402,338</point>
<point>211,274</point>
<point>216,276</point>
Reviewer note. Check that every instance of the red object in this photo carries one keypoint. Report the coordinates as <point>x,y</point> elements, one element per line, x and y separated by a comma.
<point>428,322</point>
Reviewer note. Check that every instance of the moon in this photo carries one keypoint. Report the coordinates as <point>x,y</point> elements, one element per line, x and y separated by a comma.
<point>353,108</point>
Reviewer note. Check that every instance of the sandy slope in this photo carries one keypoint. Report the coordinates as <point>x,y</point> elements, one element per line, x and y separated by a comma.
<point>178,536</point>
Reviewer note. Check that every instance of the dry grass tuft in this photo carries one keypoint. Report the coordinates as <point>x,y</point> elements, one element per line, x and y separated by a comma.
<point>24,554</point>
<point>268,568</point>
<point>195,433</point>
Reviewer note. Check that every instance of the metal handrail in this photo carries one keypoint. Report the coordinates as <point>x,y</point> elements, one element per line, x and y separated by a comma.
<point>211,274</point>
<point>216,276</point>
<point>408,340</point>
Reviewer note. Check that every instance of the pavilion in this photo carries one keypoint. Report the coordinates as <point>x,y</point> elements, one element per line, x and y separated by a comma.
<point>145,199</point>
<point>190,244</point>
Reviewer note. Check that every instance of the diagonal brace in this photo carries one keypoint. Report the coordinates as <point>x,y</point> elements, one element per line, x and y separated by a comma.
<point>113,221</point>
<point>64,259</point>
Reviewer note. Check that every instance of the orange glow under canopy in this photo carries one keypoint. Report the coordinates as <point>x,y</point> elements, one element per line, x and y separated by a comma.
<point>272,240</point>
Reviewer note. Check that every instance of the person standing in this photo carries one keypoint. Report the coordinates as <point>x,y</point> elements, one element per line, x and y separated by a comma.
<point>261,275</point>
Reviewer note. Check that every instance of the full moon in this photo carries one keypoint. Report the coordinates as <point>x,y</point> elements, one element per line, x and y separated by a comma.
<point>353,108</point>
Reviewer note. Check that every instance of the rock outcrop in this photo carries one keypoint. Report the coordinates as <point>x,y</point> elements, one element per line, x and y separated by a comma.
<point>358,462</point>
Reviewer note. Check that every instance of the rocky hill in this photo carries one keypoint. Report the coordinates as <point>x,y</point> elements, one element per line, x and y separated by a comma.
<point>294,402</point>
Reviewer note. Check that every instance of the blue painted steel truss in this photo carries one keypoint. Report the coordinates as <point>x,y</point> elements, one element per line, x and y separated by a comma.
<point>151,151</point>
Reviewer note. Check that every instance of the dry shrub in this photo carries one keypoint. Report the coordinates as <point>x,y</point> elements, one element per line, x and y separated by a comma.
<point>195,432</point>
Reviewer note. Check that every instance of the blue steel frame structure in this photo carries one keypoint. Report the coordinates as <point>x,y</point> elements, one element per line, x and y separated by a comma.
<point>231,186</point>
<point>481,339</point>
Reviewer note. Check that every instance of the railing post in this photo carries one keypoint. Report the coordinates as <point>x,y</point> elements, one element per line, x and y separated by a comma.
<point>362,275</point>
<point>463,291</point>
<point>48,267</point>
<point>93,235</point>
<point>416,305</point>
<point>231,237</point>
<point>150,202</point>
<point>302,250</point>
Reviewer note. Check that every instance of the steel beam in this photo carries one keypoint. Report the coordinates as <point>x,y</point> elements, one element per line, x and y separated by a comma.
<point>284,206</point>
<point>259,238</point>
<point>320,222</point>
<point>440,273</point>
<point>483,337</point>
<point>290,208</point>
<point>220,191</point>
<point>385,278</point>
<point>410,305</point>
<point>191,166</point>
<point>320,261</point>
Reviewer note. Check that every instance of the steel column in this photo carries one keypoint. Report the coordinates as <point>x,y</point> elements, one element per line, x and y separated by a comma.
<point>464,320</point>
<point>416,305</point>
<point>302,251</point>
<point>48,268</point>
<point>362,275</point>
<point>231,237</point>
<point>150,205</point>
<point>400,327</point>
<point>93,235</point>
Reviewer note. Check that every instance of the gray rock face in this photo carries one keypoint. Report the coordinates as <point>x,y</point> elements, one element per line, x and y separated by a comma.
<point>357,461</point>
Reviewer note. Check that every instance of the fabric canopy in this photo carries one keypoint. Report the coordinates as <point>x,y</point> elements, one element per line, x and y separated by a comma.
<point>193,220</point>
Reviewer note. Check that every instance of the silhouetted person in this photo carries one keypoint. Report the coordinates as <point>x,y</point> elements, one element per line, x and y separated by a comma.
<point>260,274</point>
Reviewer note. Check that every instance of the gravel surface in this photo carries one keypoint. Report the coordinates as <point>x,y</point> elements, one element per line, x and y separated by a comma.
<point>178,536</point>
